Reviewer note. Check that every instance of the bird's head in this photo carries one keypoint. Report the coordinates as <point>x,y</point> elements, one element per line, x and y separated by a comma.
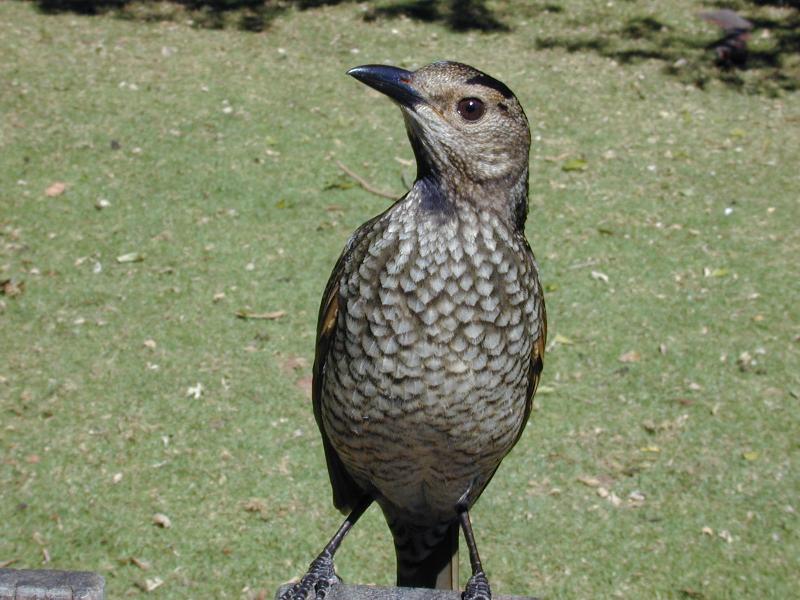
<point>467,128</point>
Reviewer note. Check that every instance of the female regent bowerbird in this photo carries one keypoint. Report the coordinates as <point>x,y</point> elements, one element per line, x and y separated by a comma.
<point>431,331</point>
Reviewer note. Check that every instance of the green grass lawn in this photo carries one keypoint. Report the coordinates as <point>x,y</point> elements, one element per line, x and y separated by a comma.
<point>200,169</point>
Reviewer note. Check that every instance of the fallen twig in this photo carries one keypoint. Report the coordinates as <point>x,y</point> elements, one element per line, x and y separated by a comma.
<point>365,184</point>
<point>270,316</point>
<point>587,263</point>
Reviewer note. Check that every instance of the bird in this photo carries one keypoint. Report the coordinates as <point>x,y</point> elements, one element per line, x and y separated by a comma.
<point>731,50</point>
<point>431,330</point>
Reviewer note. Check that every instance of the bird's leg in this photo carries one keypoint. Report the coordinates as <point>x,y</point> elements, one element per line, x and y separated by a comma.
<point>477,586</point>
<point>321,574</point>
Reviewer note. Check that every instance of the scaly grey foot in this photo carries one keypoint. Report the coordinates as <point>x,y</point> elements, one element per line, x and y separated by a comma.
<point>320,577</point>
<point>477,588</point>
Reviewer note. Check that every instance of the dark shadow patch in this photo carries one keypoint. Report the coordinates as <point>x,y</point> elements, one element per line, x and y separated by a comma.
<point>246,15</point>
<point>458,15</point>
<point>419,10</point>
<point>768,63</point>
<point>256,15</point>
<point>473,14</point>
<point>641,27</point>
<point>81,7</point>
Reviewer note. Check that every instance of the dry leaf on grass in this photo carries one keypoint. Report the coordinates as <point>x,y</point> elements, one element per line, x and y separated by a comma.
<point>610,496</point>
<point>11,288</point>
<point>56,189</point>
<point>130,257</point>
<point>636,498</point>
<point>589,481</point>
<point>142,564</point>
<point>148,585</point>
<point>630,357</point>
<point>162,520</point>
<point>269,316</point>
<point>291,363</point>
<point>575,164</point>
<point>707,272</point>
<point>666,425</point>
<point>747,361</point>
<point>256,505</point>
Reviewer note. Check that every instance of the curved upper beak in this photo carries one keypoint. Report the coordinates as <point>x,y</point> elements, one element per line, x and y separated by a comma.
<point>392,81</point>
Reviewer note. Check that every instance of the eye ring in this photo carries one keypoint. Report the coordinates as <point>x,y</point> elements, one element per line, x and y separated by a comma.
<point>471,109</point>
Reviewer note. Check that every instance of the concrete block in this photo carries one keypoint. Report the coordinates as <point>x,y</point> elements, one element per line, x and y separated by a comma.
<point>34,584</point>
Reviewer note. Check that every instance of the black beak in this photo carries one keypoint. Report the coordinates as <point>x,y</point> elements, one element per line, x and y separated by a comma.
<point>392,81</point>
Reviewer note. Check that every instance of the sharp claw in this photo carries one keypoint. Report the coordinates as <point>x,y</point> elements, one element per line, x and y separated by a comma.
<point>299,591</point>
<point>477,588</point>
<point>324,586</point>
<point>320,577</point>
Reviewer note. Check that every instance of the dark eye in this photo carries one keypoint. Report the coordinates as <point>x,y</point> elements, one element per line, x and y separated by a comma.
<point>471,109</point>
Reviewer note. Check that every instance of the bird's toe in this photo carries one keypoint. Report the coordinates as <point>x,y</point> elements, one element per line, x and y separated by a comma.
<point>319,578</point>
<point>477,588</point>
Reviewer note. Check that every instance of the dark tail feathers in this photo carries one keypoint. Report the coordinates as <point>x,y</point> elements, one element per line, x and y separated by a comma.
<point>426,558</point>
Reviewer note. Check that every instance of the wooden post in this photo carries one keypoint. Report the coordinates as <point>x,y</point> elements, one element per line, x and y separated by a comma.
<point>50,585</point>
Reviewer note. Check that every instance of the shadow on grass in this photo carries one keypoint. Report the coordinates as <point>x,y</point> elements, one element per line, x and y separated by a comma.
<point>772,63</point>
<point>246,15</point>
<point>458,15</point>
<point>256,15</point>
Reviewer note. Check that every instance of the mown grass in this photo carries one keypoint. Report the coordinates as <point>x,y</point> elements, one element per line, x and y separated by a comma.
<point>216,151</point>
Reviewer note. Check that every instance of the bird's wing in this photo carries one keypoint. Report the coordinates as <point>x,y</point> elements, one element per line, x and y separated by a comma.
<point>536,363</point>
<point>346,492</point>
<point>536,360</point>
